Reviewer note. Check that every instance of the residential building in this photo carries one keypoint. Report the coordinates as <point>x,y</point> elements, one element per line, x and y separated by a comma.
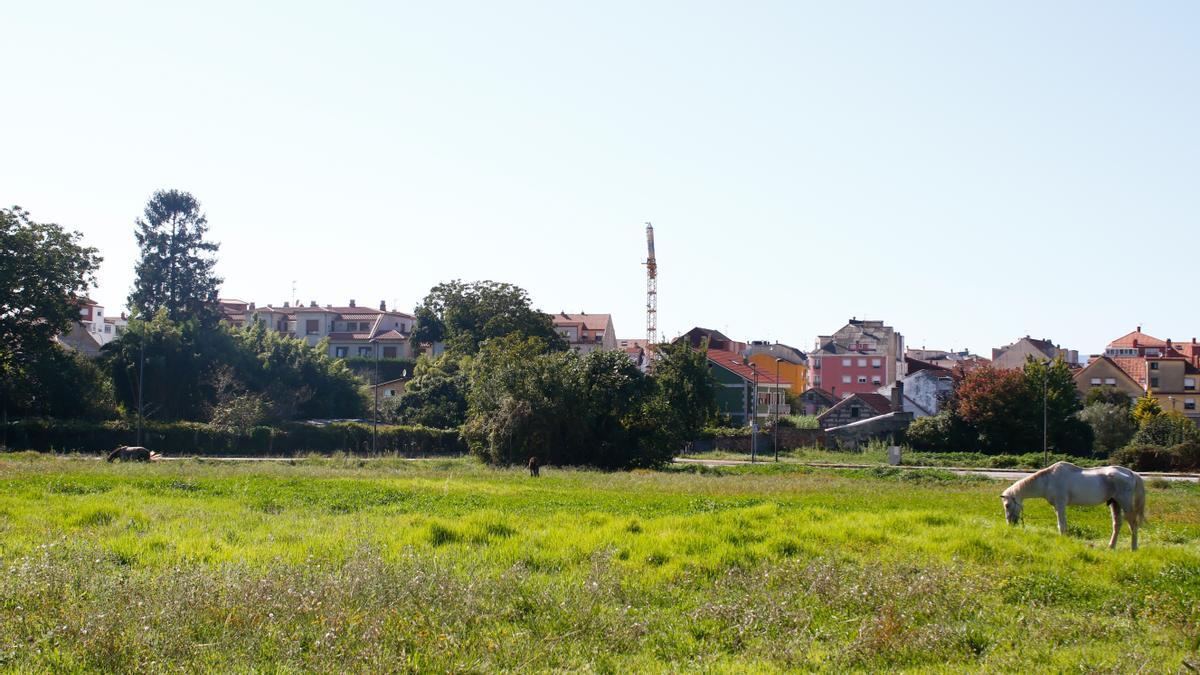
<point>1167,371</point>
<point>855,407</point>
<point>638,351</point>
<point>351,330</point>
<point>714,339</point>
<point>391,388</point>
<point>586,332</point>
<point>1014,356</point>
<point>745,389</point>
<point>94,329</point>
<point>859,358</point>
<point>925,389</point>
<point>815,401</point>
<point>955,360</point>
<point>789,363</point>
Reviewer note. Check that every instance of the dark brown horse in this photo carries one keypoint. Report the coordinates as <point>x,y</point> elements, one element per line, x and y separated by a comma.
<point>534,467</point>
<point>127,453</point>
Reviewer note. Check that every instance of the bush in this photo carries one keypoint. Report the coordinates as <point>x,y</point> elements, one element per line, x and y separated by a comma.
<point>1166,430</point>
<point>1144,457</point>
<point>1111,424</point>
<point>193,438</point>
<point>1186,456</point>
<point>363,367</point>
<point>942,432</point>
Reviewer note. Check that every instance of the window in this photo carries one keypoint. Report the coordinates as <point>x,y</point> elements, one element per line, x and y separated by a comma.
<point>364,351</point>
<point>846,362</point>
<point>389,352</point>
<point>599,337</point>
<point>862,379</point>
<point>817,381</point>
<point>312,327</point>
<point>875,380</point>
<point>845,379</point>
<point>1095,382</point>
<point>1189,384</point>
<point>339,352</point>
<point>1189,404</point>
<point>1154,365</point>
<point>854,411</point>
<point>1154,382</point>
<point>1111,381</point>
<point>862,363</point>
<point>875,363</point>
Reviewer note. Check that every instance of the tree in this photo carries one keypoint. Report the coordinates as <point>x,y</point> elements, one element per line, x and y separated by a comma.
<point>175,271</point>
<point>436,396</point>
<point>44,274</point>
<point>997,406</point>
<point>1052,384</point>
<point>464,315</point>
<point>1112,425</point>
<point>1166,430</point>
<point>1107,394</point>
<point>683,401</point>
<point>1145,409</point>
<point>943,432</point>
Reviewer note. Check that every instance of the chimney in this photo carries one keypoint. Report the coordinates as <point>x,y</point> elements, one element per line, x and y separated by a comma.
<point>1135,342</point>
<point>252,305</point>
<point>312,303</point>
<point>898,397</point>
<point>382,305</point>
<point>351,302</point>
<point>1139,329</point>
<point>285,304</point>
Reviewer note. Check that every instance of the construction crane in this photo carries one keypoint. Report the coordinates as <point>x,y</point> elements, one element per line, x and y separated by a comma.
<point>651,288</point>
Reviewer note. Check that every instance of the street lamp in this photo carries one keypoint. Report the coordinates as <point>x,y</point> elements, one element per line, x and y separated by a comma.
<point>777,394</point>
<point>141,378</point>
<point>1172,400</point>
<point>754,417</point>
<point>375,421</point>
<point>1045,405</point>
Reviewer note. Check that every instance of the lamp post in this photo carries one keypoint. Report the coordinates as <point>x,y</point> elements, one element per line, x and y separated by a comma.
<point>1172,400</point>
<point>1045,397</point>
<point>754,417</point>
<point>375,420</point>
<point>777,395</point>
<point>141,378</point>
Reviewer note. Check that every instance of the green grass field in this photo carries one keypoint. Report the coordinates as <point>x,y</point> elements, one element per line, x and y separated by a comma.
<point>345,565</point>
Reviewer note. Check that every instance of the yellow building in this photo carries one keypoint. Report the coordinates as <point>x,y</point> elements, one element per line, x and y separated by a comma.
<point>792,363</point>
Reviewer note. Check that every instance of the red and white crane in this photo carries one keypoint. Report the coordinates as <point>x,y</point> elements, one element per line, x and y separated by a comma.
<point>651,288</point>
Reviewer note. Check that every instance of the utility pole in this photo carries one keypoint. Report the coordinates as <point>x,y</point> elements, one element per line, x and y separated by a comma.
<point>141,379</point>
<point>375,420</point>
<point>754,418</point>
<point>1045,405</point>
<point>777,395</point>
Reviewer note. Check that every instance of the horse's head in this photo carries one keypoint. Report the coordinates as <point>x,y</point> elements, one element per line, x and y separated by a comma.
<point>1012,509</point>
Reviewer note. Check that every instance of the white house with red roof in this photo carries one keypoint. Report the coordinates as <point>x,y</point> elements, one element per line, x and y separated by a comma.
<point>351,330</point>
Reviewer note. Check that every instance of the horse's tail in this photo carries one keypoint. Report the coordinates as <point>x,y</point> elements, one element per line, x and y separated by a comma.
<point>1139,501</point>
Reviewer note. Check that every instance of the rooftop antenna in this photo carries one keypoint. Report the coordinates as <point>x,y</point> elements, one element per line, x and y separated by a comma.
<point>295,298</point>
<point>651,287</point>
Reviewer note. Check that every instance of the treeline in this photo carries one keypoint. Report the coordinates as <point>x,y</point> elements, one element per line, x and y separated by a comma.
<point>1008,412</point>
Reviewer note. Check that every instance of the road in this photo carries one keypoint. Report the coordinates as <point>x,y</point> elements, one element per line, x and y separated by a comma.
<point>995,474</point>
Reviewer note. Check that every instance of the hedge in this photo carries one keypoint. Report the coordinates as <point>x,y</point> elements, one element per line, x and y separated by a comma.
<point>192,438</point>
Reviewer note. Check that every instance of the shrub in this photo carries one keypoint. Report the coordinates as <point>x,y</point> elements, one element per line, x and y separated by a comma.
<point>1111,423</point>
<point>1186,456</point>
<point>942,432</point>
<point>193,438</point>
<point>1166,430</point>
<point>1143,457</point>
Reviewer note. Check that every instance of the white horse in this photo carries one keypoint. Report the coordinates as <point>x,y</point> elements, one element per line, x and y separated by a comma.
<point>1064,483</point>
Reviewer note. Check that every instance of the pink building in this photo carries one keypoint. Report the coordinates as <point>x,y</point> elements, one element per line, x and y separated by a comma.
<point>859,358</point>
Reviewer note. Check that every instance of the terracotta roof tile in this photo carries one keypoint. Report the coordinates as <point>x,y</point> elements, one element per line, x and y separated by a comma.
<point>589,321</point>
<point>732,361</point>
<point>1142,339</point>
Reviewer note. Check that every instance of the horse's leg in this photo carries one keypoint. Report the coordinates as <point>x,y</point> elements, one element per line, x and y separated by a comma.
<point>1131,516</point>
<point>1116,514</point>
<point>1061,509</point>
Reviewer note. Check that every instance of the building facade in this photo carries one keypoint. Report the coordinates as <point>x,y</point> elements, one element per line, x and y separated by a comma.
<point>1168,371</point>
<point>859,358</point>
<point>586,332</point>
<point>1014,356</point>
<point>789,363</point>
<point>744,391</point>
<point>351,330</point>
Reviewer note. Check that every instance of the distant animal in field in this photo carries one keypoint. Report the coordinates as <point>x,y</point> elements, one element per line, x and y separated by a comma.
<point>534,467</point>
<point>1064,483</point>
<point>135,453</point>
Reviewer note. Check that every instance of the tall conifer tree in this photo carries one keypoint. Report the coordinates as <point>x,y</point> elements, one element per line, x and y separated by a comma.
<point>175,271</point>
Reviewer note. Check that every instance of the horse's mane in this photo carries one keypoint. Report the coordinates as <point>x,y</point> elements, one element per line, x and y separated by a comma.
<point>1024,482</point>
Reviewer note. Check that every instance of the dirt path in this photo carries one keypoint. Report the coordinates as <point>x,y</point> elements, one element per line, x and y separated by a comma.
<point>995,474</point>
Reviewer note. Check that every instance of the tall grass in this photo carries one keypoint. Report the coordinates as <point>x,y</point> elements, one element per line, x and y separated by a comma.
<point>344,565</point>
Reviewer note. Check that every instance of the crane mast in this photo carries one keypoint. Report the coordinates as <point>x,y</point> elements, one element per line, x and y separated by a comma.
<point>651,288</point>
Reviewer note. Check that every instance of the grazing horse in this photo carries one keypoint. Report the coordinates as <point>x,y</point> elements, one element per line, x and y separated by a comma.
<point>1064,483</point>
<point>534,467</point>
<point>127,453</point>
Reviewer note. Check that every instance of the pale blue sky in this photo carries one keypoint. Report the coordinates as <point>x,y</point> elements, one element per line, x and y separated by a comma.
<point>968,172</point>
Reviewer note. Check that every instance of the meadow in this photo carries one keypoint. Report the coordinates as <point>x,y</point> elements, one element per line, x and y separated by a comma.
<point>397,566</point>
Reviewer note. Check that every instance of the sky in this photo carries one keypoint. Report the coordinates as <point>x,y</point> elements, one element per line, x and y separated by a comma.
<point>968,172</point>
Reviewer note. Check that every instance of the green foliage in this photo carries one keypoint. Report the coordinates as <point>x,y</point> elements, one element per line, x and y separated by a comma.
<point>998,408</point>
<point>799,421</point>
<point>44,272</point>
<point>1166,429</point>
<point>61,382</point>
<point>175,271</point>
<point>185,363</point>
<point>194,438</point>
<point>943,432</point>
<point>464,315</point>
<point>436,396</point>
<point>1107,394</point>
<point>363,367</point>
<point>1143,457</point>
<point>1054,381</point>
<point>1146,408</point>
<point>597,410</point>
<point>1111,423</point>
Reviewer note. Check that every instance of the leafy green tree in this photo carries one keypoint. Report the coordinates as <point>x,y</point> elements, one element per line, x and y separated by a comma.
<point>1052,384</point>
<point>1145,409</point>
<point>1111,423</point>
<point>682,403</point>
<point>1166,430</point>
<point>1107,394</point>
<point>943,432</point>
<point>436,396</point>
<point>175,271</point>
<point>464,315</point>
<point>44,272</point>
<point>178,360</point>
<point>998,408</point>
